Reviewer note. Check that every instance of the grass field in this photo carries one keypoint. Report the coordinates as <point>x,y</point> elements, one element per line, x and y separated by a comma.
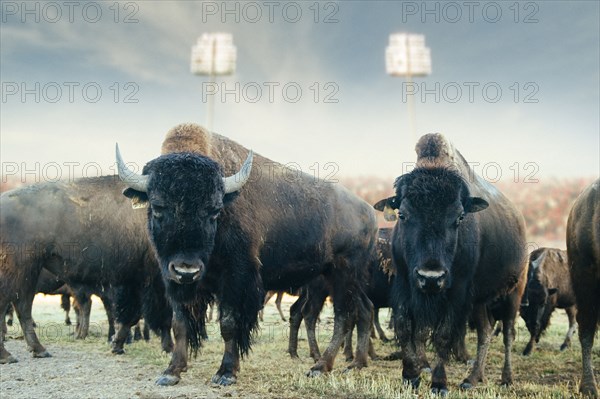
<point>270,373</point>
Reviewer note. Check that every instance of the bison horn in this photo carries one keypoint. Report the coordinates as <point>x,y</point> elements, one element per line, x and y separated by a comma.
<point>236,182</point>
<point>132,179</point>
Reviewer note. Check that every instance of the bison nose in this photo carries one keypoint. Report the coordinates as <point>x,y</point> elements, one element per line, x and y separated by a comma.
<point>185,273</point>
<point>431,281</point>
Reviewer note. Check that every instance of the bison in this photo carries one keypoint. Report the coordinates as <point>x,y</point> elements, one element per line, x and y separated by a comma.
<point>548,287</point>
<point>458,245</point>
<point>84,233</point>
<point>583,251</point>
<point>260,228</point>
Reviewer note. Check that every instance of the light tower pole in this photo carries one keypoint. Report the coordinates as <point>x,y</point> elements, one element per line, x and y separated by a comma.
<point>407,56</point>
<point>213,55</point>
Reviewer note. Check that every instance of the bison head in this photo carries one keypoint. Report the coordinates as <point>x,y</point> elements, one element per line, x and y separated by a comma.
<point>537,296</point>
<point>185,193</point>
<point>432,207</point>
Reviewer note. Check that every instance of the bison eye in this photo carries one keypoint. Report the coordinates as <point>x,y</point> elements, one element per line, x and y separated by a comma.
<point>157,211</point>
<point>460,219</point>
<point>402,216</point>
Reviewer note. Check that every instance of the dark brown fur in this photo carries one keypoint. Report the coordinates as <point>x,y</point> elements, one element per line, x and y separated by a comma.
<point>583,249</point>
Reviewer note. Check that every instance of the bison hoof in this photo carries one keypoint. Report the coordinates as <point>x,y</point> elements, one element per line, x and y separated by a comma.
<point>588,390</point>
<point>426,369</point>
<point>118,351</point>
<point>167,380</point>
<point>563,347</point>
<point>223,380</point>
<point>466,385</point>
<point>8,360</point>
<point>314,373</point>
<point>412,382</point>
<point>42,354</point>
<point>443,392</point>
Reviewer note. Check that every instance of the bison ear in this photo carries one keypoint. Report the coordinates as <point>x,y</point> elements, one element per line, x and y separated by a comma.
<point>475,204</point>
<point>139,199</point>
<point>387,206</point>
<point>381,204</point>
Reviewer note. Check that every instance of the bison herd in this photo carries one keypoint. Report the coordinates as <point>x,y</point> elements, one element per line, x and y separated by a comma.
<point>213,223</point>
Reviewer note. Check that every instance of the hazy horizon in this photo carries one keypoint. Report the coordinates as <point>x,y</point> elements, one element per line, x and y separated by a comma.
<point>515,88</point>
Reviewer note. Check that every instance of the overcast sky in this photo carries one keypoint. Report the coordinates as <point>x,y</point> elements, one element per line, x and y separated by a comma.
<point>543,56</point>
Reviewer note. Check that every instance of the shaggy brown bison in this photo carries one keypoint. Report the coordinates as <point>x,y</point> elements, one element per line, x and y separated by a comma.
<point>85,234</point>
<point>262,227</point>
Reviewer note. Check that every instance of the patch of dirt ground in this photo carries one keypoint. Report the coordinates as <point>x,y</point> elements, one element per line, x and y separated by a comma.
<point>73,373</point>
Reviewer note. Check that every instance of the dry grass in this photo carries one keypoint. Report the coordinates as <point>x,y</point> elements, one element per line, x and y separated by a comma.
<point>270,373</point>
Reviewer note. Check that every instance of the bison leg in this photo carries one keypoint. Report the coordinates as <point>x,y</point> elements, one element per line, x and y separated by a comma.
<point>341,327</point>
<point>343,319</point>
<point>439,381</point>
<point>461,354</point>
<point>446,338</point>
<point>348,353</point>
<point>278,304</point>
<point>571,311</point>
<point>530,345</point>
<point>295,321</point>
<point>127,313</point>
<point>108,308</point>
<point>137,332</point>
<point>411,364</point>
<point>84,310</point>
<point>230,365</point>
<point>146,335</point>
<point>310,312</point>
<point>587,318</point>
<point>65,304</point>
<point>508,333</point>
<point>178,363</point>
<point>364,326</point>
<point>484,330</point>
<point>23,309</point>
<point>5,356</point>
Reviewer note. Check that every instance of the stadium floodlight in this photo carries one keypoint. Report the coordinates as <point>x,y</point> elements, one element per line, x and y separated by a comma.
<point>407,56</point>
<point>213,55</point>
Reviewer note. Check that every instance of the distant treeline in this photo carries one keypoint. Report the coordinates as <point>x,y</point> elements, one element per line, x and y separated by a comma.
<point>545,205</point>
